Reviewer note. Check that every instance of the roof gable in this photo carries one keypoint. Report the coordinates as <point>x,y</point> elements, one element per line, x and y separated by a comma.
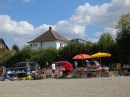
<point>2,41</point>
<point>49,35</point>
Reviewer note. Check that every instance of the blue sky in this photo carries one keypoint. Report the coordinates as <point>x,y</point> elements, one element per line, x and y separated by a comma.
<point>24,20</point>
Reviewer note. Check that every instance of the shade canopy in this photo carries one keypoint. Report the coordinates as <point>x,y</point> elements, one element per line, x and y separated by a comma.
<point>100,54</point>
<point>81,56</point>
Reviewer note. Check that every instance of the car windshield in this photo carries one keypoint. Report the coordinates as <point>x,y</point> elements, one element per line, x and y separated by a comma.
<point>22,65</point>
<point>59,64</point>
<point>32,64</point>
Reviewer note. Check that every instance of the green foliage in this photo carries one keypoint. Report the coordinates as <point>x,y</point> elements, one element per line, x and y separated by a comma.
<point>15,47</point>
<point>26,53</point>
<point>5,57</point>
<point>45,55</point>
<point>105,42</point>
<point>63,76</point>
<point>123,37</point>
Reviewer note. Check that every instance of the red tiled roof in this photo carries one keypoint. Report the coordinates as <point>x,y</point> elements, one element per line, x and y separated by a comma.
<point>49,35</point>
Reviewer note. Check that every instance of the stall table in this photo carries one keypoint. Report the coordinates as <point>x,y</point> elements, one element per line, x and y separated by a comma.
<point>95,72</point>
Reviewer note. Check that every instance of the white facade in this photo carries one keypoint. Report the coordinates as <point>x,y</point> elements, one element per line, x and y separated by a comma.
<point>46,44</point>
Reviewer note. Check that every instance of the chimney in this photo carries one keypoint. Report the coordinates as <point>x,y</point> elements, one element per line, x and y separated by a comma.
<point>50,28</point>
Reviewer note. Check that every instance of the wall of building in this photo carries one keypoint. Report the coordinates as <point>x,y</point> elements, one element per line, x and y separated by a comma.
<point>35,45</point>
<point>48,44</point>
<point>60,44</point>
<point>54,44</point>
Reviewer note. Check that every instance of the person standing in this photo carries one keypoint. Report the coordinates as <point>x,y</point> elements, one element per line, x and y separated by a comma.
<point>28,69</point>
<point>75,67</point>
<point>53,69</point>
<point>118,67</point>
<point>3,70</point>
<point>46,70</point>
<point>47,66</point>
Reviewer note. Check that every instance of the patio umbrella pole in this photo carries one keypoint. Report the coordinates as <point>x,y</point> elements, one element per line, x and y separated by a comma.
<point>100,60</point>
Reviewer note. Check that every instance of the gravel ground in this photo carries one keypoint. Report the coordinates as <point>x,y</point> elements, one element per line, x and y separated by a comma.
<point>80,87</point>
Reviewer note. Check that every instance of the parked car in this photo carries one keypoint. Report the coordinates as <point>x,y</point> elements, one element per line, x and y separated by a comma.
<point>22,66</point>
<point>64,64</point>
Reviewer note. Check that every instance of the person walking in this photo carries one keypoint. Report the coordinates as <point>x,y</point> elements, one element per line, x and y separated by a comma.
<point>75,67</point>
<point>53,69</point>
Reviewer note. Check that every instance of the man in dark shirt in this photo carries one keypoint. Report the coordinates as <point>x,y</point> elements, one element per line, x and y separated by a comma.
<point>92,62</point>
<point>47,65</point>
<point>75,67</point>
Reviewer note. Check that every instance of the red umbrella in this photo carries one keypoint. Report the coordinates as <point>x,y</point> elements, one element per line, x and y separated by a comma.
<point>81,56</point>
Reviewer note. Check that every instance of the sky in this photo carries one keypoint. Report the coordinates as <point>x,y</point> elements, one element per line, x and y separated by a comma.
<point>24,20</point>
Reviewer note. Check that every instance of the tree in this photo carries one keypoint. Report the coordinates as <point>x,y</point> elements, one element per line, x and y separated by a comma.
<point>107,44</point>
<point>105,41</point>
<point>15,47</point>
<point>123,37</point>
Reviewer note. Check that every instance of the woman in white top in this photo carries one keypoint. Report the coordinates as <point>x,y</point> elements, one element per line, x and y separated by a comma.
<point>53,68</point>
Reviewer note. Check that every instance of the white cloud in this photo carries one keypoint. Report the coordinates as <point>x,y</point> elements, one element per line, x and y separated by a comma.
<point>97,33</point>
<point>21,32</point>
<point>101,15</point>
<point>26,1</point>
<point>112,31</point>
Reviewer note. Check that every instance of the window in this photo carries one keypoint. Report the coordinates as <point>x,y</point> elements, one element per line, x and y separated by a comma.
<point>1,46</point>
<point>61,44</point>
<point>34,44</point>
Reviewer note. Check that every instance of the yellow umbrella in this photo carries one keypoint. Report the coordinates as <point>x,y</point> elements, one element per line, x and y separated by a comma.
<point>100,54</point>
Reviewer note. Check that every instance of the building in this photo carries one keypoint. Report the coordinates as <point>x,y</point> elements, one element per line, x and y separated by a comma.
<point>79,40</point>
<point>3,46</point>
<point>48,39</point>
